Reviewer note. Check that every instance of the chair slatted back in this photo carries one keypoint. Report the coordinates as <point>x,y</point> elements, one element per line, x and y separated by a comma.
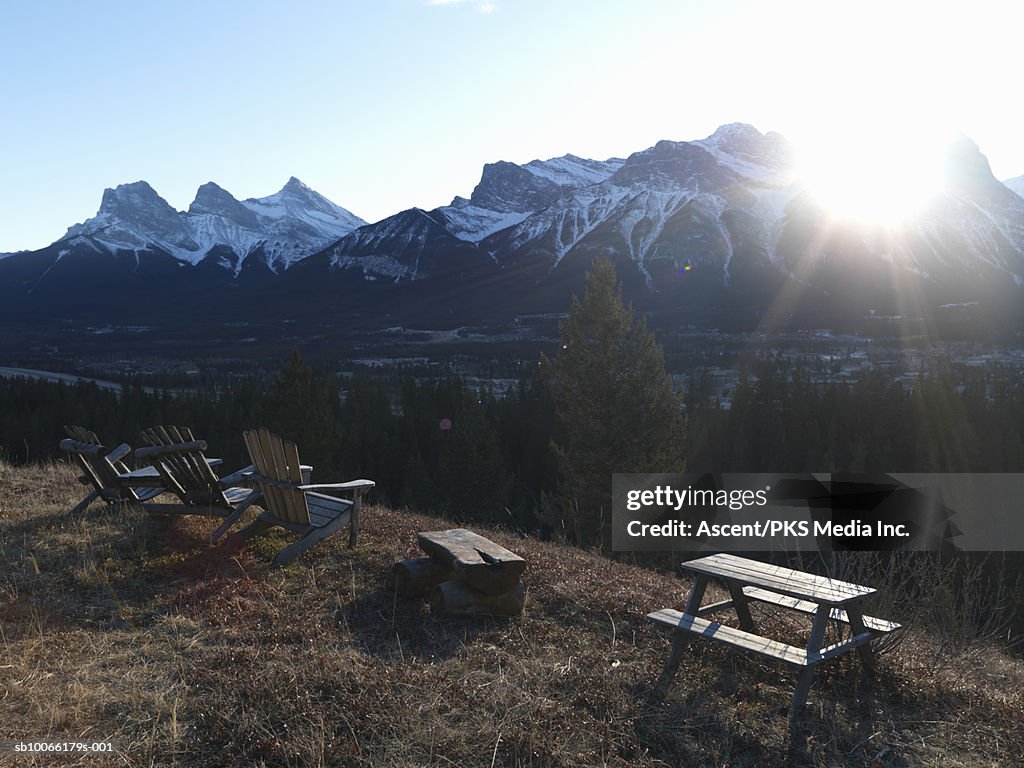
<point>91,457</point>
<point>278,461</point>
<point>83,435</point>
<point>186,472</point>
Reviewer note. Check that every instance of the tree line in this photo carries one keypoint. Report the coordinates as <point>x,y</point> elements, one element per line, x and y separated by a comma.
<point>539,456</point>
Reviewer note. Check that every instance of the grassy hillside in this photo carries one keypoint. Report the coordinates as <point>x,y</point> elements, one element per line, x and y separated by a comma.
<point>115,625</point>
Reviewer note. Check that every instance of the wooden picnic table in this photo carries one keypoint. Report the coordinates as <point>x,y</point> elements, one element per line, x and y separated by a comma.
<point>750,580</point>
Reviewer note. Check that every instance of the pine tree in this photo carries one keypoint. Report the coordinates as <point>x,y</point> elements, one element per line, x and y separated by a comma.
<point>615,404</point>
<point>300,408</point>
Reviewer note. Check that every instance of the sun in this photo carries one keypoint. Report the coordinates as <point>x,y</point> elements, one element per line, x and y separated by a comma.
<point>880,174</point>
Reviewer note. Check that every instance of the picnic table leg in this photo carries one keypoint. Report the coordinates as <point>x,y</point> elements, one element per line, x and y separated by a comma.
<point>803,681</point>
<point>856,619</point>
<point>679,643</point>
<point>680,639</point>
<point>696,594</point>
<point>739,602</point>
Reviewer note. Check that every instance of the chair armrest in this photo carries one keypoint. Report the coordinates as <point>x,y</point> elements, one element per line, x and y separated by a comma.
<point>351,485</point>
<point>246,474</point>
<point>163,450</point>
<point>75,446</point>
<point>119,453</point>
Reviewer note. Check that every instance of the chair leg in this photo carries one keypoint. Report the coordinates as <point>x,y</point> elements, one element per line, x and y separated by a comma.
<point>256,528</point>
<point>84,503</point>
<point>235,514</point>
<point>353,534</point>
<point>292,551</point>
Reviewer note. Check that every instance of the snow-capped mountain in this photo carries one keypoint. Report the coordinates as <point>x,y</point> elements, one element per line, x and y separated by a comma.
<point>283,228</point>
<point>712,228</point>
<point>666,202</point>
<point>410,245</point>
<point>508,193</point>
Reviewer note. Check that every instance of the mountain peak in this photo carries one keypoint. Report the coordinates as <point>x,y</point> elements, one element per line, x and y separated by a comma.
<point>137,212</point>
<point>210,198</point>
<point>214,200</point>
<point>748,145</point>
<point>295,186</point>
<point>732,131</point>
<point>967,166</point>
<point>130,196</point>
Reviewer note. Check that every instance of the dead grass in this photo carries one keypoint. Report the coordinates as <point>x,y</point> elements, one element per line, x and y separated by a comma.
<point>116,625</point>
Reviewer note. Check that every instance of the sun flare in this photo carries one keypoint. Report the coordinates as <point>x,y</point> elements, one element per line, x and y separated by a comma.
<point>873,174</point>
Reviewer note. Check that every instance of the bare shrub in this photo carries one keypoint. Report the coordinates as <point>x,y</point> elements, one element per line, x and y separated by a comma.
<point>962,600</point>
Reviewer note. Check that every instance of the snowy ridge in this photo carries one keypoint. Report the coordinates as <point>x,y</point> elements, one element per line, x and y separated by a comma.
<point>393,247</point>
<point>574,172</point>
<point>1015,185</point>
<point>508,193</point>
<point>472,223</point>
<point>729,206</point>
<point>569,220</point>
<point>289,225</point>
<point>735,168</point>
<point>741,148</point>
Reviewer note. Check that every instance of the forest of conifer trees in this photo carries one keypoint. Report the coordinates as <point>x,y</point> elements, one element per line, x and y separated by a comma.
<point>441,445</point>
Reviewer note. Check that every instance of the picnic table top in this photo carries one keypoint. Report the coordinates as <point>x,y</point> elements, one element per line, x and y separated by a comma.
<point>784,581</point>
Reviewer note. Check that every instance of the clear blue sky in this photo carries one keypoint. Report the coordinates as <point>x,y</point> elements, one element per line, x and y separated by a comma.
<point>385,104</point>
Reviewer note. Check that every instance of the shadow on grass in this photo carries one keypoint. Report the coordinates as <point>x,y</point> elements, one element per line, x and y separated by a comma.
<point>849,717</point>
<point>114,567</point>
<point>388,625</point>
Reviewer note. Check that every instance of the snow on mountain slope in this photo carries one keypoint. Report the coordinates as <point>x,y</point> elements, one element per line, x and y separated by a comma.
<point>132,217</point>
<point>508,193</point>
<point>1015,185</point>
<point>569,171</point>
<point>688,184</point>
<point>473,223</point>
<point>722,212</point>
<point>411,245</point>
<point>288,226</point>
<point>755,156</point>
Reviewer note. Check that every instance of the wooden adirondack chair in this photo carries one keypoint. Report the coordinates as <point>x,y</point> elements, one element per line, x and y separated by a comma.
<point>179,459</point>
<point>296,506</point>
<point>105,470</point>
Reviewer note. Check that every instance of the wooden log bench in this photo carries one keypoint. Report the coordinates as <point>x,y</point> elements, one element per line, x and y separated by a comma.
<point>749,580</point>
<point>465,574</point>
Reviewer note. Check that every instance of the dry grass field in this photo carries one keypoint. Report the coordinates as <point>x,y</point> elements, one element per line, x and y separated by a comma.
<point>116,625</point>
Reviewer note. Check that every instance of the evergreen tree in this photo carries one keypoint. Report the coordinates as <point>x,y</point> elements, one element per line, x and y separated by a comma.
<point>300,408</point>
<point>614,402</point>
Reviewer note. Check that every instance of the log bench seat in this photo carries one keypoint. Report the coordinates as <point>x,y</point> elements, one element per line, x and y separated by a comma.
<point>464,575</point>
